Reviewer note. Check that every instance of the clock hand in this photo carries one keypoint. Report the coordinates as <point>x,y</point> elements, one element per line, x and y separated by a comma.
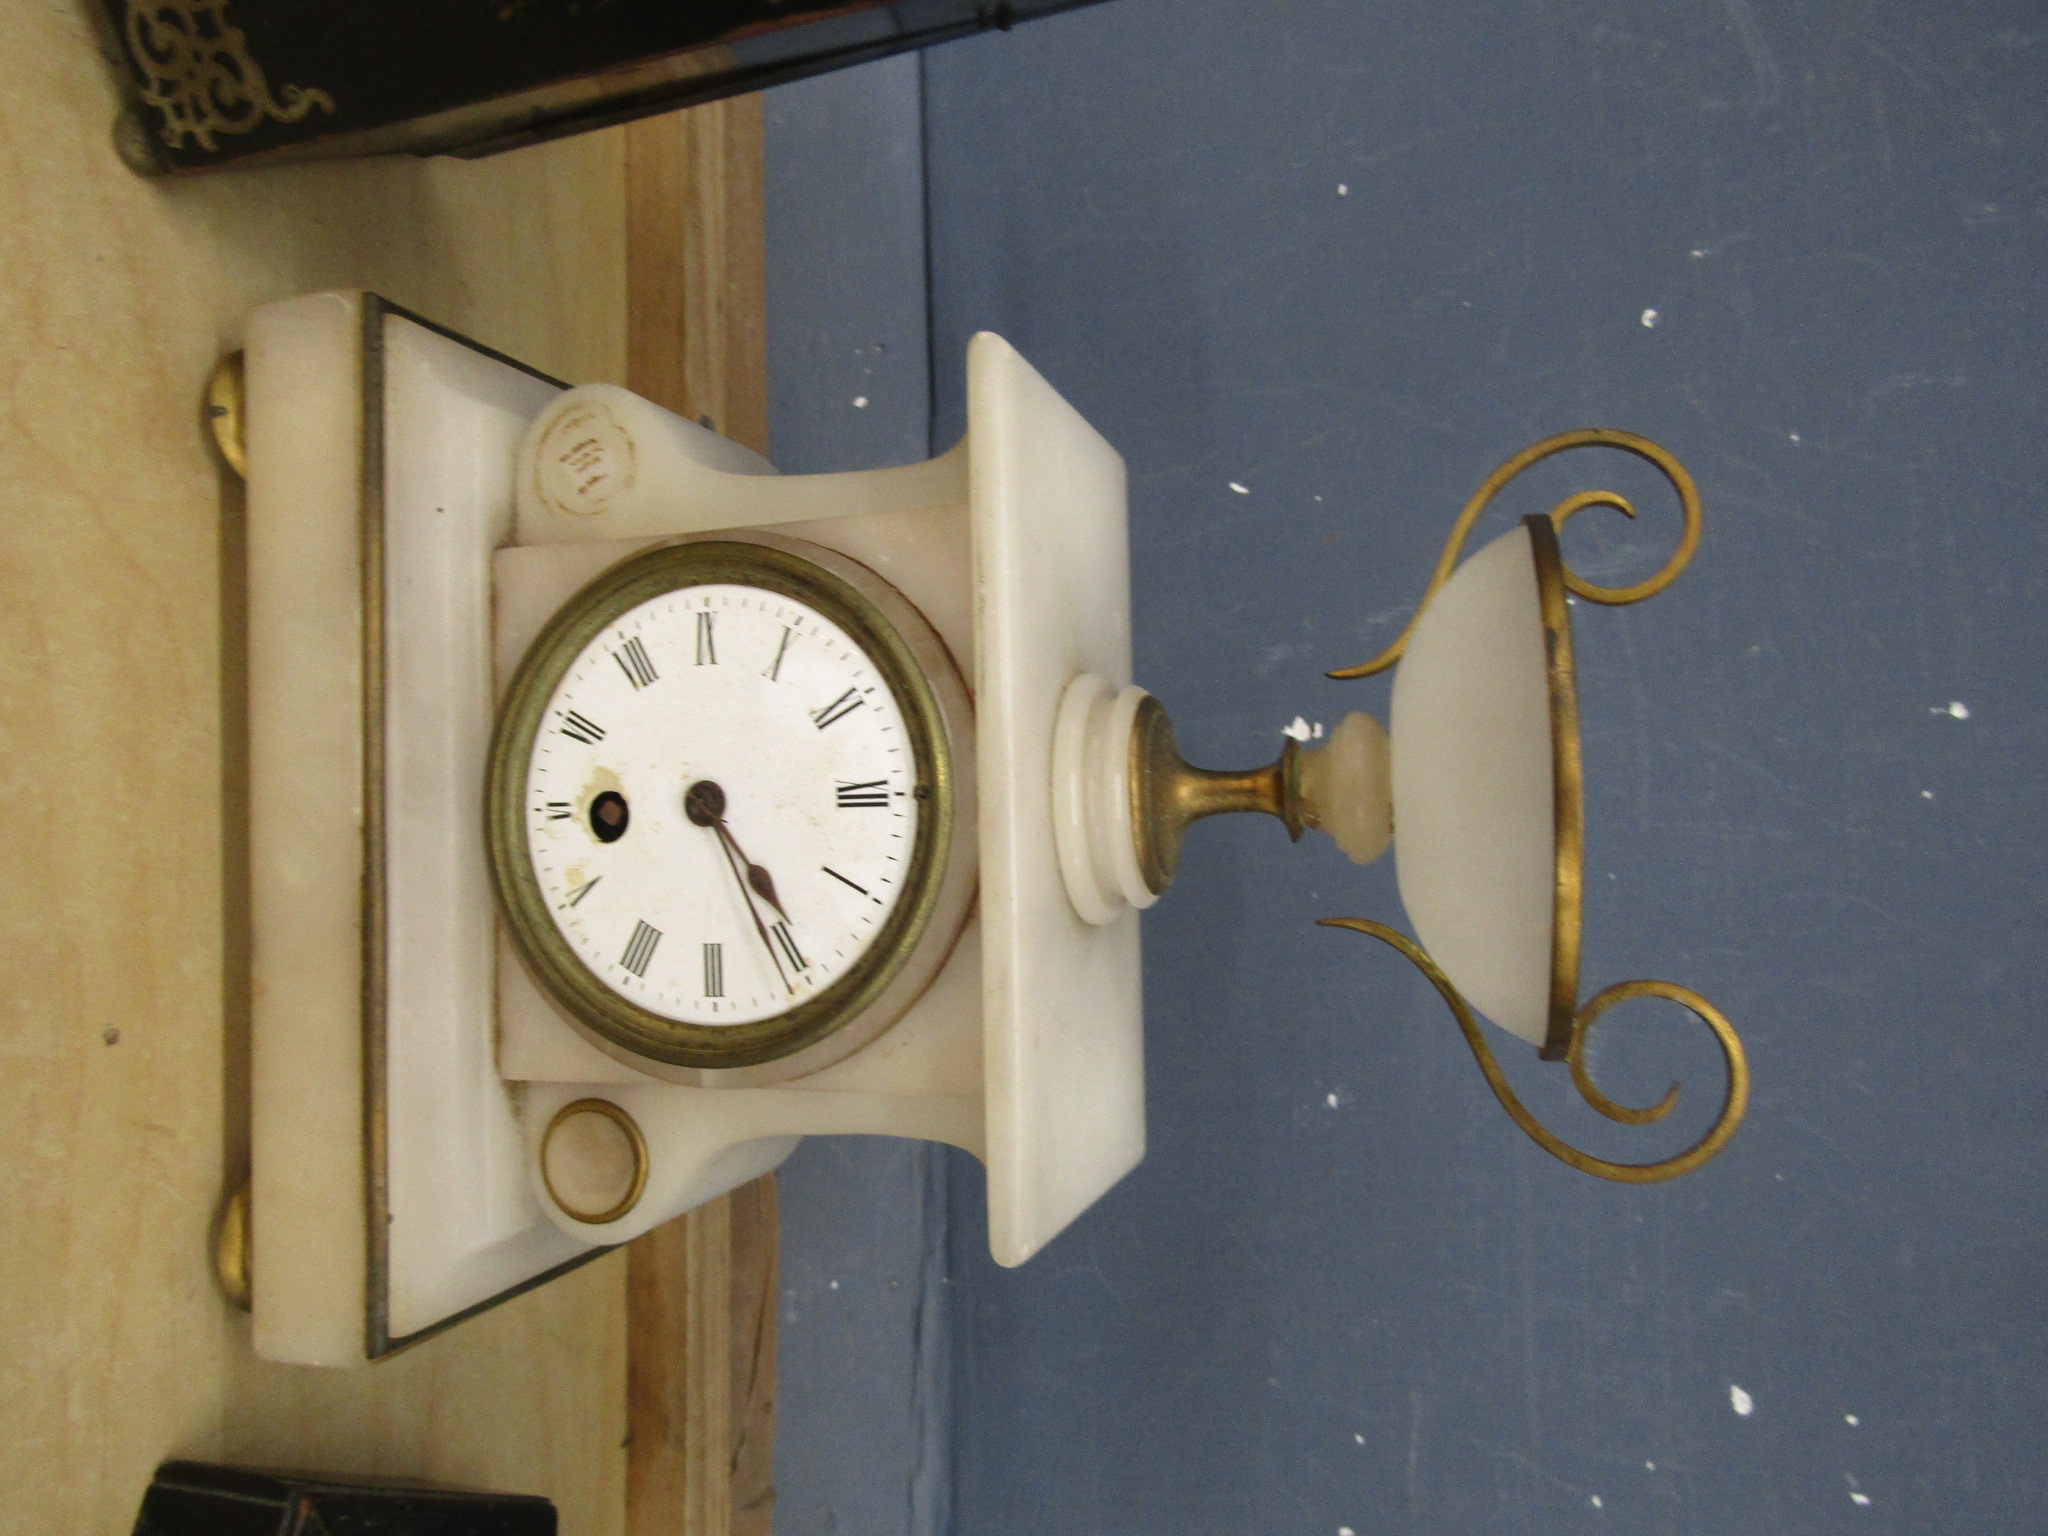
<point>759,878</point>
<point>725,847</point>
<point>704,804</point>
<point>764,886</point>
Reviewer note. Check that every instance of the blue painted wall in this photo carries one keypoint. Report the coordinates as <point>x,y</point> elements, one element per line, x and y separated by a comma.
<point>1348,257</point>
<point>1390,1312</point>
<point>862,1433</point>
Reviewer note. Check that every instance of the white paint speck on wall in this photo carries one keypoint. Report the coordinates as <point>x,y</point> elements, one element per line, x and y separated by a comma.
<point>1650,319</point>
<point>1596,1502</point>
<point>1241,490</point>
<point>1851,1420</point>
<point>860,402</point>
<point>1740,1400</point>
<point>1861,1500</point>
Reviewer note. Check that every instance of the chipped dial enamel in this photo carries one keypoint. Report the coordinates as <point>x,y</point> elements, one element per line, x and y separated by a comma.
<point>777,705</point>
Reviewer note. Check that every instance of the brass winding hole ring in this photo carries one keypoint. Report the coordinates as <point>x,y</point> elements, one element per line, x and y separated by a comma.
<point>634,1140</point>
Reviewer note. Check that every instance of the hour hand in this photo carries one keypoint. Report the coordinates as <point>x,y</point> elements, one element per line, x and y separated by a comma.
<point>762,882</point>
<point>705,805</point>
<point>764,887</point>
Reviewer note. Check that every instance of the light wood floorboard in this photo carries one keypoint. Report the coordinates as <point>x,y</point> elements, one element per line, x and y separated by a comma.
<point>124,1031</point>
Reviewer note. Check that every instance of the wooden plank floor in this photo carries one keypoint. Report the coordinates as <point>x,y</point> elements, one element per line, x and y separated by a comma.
<point>125,1013</point>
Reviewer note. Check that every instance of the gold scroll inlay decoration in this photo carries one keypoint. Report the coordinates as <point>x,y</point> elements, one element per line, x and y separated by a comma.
<point>201,76</point>
<point>1569,1023</point>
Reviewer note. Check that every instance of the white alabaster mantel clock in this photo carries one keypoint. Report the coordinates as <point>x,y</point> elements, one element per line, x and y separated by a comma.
<point>623,811</point>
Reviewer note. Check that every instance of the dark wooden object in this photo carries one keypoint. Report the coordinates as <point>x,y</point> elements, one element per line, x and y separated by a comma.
<point>223,82</point>
<point>193,1498</point>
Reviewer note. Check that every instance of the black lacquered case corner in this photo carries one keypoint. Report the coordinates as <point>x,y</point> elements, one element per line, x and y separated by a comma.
<point>223,82</point>
<point>190,1498</point>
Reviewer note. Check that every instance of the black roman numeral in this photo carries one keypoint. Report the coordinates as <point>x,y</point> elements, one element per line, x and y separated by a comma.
<point>714,970</point>
<point>775,669</point>
<point>842,879</point>
<point>559,810</point>
<point>838,709</point>
<point>780,933</point>
<point>640,948</point>
<point>707,649</point>
<point>873,792</point>
<point>582,891</point>
<point>634,661</point>
<point>577,728</point>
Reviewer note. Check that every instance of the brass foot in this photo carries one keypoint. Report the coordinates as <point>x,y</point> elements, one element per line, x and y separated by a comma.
<point>134,145</point>
<point>231,1248</point>
<point>224,412</point>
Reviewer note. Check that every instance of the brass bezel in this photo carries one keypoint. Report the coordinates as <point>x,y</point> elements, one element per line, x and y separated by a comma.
<point>626,1123</point>
<point>912,944</point>
<point>1567,788</point>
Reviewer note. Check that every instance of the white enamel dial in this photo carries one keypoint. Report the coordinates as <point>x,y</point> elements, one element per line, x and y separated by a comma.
<point>721,804</point>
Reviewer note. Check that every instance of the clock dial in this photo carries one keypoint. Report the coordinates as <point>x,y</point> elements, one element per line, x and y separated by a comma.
<point>730,808</point>
<point>721,803</point>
